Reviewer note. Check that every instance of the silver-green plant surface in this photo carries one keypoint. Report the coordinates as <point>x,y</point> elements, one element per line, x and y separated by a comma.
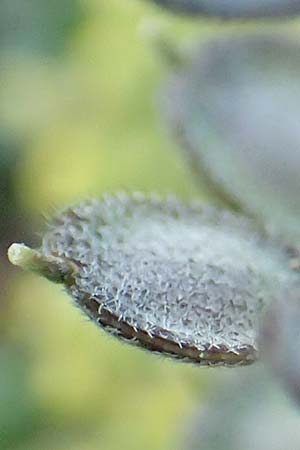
<point>183,280</point>
<point>233,8</point>
<point>235,110</point>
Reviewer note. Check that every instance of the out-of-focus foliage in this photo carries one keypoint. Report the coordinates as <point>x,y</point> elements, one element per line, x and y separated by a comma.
<point>247,412</point>
<point>280,341</point>
<point>9,153</point>
<point>88,124</point>
<point>37,26</point>
<point>233,8</point>
<point>235,108</point>
<point>19,411</point>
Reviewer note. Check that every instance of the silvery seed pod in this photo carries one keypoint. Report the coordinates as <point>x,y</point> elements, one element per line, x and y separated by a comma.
<point>182,280</point>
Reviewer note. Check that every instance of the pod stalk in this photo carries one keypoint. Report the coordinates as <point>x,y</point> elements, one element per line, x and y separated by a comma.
<point>53,268</point>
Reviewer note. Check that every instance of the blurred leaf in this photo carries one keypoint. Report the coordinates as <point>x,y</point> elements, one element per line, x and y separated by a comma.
<point>281,341</point>
<point>10,151</point>
<point>235,108</point>
<point>247,412</point>
<point>18,413</point>
<point>233,8</point>
<point>10,156</point>
<point>181,280</point>
<point>37,26</point>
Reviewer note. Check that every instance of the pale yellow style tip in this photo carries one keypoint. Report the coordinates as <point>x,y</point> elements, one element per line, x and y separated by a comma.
<point>22,256</point>
<point>55,269</point>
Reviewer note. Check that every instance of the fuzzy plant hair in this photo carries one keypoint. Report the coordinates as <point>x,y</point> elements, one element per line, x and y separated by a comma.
<point>183,280</point>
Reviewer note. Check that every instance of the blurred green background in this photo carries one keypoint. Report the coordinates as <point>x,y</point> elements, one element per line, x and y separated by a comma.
<point>79,116</point>
<point>79,95</point>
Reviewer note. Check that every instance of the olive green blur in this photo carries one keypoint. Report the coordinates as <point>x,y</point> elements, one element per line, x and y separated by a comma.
<point>79,116</point>
<point>80,85</point>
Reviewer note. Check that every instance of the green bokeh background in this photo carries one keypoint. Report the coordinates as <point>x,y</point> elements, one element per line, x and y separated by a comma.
<point>80,88</point>
<point>79,95</point>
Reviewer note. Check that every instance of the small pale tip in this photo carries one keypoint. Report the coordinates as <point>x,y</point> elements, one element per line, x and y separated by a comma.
<point>55,269</point>
<point>21,255</point>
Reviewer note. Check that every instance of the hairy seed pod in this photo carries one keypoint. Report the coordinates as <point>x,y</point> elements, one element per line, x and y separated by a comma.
<point>173,278</point>
<point>233,8</point>
<point>235,111</point>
